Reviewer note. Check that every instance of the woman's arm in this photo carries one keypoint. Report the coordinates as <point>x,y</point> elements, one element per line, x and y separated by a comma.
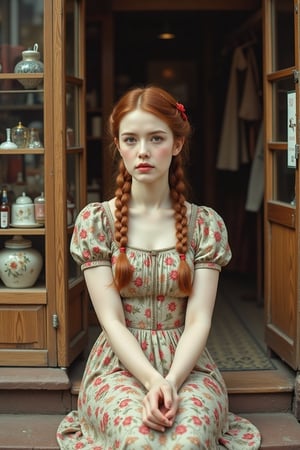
<point>108,307</point>
<point>197,325</point>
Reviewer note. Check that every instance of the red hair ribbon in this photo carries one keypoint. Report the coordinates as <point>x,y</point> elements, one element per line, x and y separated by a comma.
<point>180,107</point>
<point>122,249</point>
<point>182,256</point>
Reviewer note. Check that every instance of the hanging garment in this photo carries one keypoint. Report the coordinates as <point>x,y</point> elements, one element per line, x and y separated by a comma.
<point>255,193</point>
<point>241,105</point>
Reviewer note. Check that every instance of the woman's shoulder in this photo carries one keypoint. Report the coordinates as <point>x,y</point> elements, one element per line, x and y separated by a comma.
<point>203,213</point>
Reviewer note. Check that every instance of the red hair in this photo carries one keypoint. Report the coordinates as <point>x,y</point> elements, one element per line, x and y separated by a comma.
<point>160,103</point>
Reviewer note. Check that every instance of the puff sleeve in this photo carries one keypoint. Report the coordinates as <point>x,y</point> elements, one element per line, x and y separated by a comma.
<point>92,237</point>
<point>210,240</point>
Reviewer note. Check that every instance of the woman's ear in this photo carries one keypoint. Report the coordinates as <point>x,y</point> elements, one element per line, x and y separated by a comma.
<point>116,142</point>
<point>178,144</point>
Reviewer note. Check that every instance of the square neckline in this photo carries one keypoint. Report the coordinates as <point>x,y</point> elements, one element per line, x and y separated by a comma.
<point>191,227</point>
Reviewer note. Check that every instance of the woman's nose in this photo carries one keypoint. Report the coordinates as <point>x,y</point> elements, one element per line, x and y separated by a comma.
<point>143,149</point>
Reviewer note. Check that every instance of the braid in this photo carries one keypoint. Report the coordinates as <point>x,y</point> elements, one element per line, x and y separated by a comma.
<point>123,270</point>
<point>177,186</point>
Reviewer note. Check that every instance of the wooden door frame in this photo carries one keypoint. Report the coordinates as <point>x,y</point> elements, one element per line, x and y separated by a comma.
<point>286,345</point>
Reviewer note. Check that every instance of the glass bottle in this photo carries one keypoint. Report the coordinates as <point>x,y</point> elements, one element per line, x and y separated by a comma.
<point>19,135</point>
<point>8,144</point>
<point>39,208</point>
<point>4,211</point>
<point>34,139</point>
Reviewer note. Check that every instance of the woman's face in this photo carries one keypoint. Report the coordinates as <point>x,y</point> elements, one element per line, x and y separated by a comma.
<point>146,145</point>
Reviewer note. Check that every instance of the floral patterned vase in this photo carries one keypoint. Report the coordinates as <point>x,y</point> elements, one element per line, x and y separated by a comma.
<point>20,264</point>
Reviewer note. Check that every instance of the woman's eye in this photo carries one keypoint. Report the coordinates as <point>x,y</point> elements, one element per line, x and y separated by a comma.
<point>129,140</point>
<point>157,138</point>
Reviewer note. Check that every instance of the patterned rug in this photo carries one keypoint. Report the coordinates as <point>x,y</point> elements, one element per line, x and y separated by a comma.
<point>231,344</point>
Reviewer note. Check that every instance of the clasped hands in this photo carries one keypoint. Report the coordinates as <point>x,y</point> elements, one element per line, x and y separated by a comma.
<point>160,405</point>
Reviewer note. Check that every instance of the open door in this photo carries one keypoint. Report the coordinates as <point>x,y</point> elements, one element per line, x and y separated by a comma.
<point>281,120</point>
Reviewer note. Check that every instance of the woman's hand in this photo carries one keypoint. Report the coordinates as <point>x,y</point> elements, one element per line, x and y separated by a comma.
<point>160,405</point>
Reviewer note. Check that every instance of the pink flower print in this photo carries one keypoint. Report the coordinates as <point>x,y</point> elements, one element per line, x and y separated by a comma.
<point>160,298</point>
<point>200,220</point>
<point>97,381</point>
<point>117,444</point>
<point>83,233</point>
<point>147,262</point>
<point>79,445</point>
<point>172,306</point>
<point>96,250</point>
<point>117,420</point>
<point>207,420</point>
<point>86,254</point>
<point>206,231</point>
<point>172,349</point>
<point>177,323</point>
<point>174,275</point>
<point>128,308</point>
<point>144,345</point>
<point>159,326</point>
<point>148,313</point>
<point>151,357</point>
<point>143,429</point>
<point>218,236</point>
<point>70,419</point>
<point>169,261</point>
<point>197,420</point>
<point>180,429</point>
<point>124,403</point>
<point>248,436</point>
<point>104,421</point>
<point>86,214</point>
<point>101,391</point>
<point>161,354</point>
<point>220,224</point>
<point>106,361</point>
<point>99,350</point>
<point>127,420</point>
<point>138,282</point>
<point>196,401</point>
<point>210,384</point>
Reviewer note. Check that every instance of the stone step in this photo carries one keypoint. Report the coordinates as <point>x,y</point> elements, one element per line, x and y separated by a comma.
<point>34,390</point>
<point>280,431</point>
<point>55,391</point>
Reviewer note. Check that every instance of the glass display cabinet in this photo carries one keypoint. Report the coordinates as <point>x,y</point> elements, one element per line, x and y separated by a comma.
<point>42,153</point>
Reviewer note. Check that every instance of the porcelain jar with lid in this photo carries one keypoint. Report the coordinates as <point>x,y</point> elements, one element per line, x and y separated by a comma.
<point>30,63</point>
<point>20,264</point>
<point>22,212</point>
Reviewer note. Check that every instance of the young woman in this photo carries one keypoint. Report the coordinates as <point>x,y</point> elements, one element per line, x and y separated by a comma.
<point>151,262</point>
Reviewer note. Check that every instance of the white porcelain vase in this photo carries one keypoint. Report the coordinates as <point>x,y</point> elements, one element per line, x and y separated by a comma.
<point>20,264</point>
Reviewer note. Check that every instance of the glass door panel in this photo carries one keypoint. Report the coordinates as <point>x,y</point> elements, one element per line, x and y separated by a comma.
<point>284,179</point>
<point>281,88</point>
<point>283,34</point>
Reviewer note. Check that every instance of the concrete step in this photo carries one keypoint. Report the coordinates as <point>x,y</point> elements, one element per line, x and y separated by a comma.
<point>280,431</point>
<point>34,390</point>
<point>55,391</point>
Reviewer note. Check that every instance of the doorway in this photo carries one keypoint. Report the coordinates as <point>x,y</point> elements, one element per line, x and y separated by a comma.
<point>196,67</point>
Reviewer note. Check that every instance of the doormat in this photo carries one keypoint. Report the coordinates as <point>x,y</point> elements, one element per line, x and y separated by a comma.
<point>231,344</point>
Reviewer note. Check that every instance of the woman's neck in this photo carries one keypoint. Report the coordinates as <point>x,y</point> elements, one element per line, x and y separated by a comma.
<point>150,197</point>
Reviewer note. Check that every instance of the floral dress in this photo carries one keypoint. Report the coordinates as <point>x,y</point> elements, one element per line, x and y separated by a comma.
<point>109,413</point>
